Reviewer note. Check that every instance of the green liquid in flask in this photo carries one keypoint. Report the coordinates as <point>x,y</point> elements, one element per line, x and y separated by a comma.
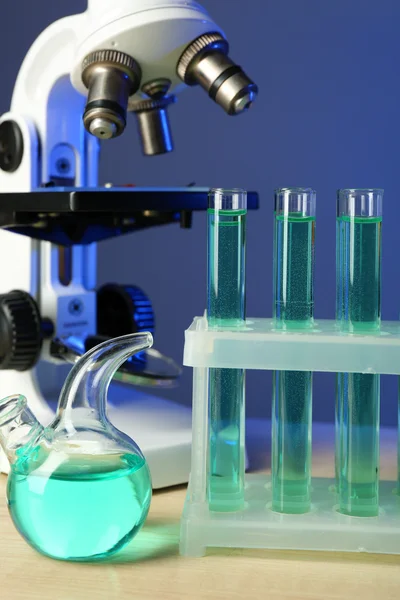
<point>357,404</point>
<point>226,386</point>
<point>85,509</point>
<point>292,390</point>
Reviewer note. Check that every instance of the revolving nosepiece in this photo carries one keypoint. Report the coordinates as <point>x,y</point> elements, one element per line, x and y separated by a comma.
<point>110,77</point>
<point>206,62</point>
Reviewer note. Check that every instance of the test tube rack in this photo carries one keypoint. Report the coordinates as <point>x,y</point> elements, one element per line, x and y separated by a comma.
<point>258,345</point>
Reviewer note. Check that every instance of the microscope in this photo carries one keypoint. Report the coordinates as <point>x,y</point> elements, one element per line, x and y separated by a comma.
<point>77,83</point>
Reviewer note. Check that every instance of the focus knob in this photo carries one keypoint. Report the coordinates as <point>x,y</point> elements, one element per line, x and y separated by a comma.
<point>20,331</point>
<point>123,309</point>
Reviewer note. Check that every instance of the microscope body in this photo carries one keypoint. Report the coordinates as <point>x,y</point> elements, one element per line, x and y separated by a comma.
<point>126,55</point>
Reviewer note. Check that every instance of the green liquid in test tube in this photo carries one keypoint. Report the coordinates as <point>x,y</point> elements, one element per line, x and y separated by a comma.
<point>226,309</point>
<point>294,238</point>
<point>358,310</point>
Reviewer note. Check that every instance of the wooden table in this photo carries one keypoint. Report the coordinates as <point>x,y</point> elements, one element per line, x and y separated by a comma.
<point>155,570</point>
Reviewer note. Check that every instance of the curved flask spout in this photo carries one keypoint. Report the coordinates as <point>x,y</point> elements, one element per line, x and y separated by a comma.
<point>84,393</point>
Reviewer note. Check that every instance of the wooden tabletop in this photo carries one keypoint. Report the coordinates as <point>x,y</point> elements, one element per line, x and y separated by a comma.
<point>152,568</point>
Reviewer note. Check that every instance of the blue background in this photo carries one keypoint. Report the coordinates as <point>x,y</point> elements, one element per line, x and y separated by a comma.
<point>328,116</point>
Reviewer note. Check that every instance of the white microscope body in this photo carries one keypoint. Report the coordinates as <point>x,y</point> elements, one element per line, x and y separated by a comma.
<point>144,40</point>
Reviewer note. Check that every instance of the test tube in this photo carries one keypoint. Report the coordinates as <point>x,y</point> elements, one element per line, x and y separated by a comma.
<point>226,309</point>
<point>294,237</point>
<point>358,310</point>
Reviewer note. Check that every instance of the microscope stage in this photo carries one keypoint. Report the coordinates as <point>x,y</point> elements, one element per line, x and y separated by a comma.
<point>68,216</point>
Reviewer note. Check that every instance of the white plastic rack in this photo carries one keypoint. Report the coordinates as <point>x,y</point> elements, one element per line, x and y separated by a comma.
<point>259,346</point>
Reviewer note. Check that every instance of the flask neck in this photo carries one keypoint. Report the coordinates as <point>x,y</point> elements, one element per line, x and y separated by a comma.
<point>83,398</point>
<point>19,428</point>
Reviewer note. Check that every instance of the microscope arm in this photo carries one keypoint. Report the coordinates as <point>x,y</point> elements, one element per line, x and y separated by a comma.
<point>47,110</point>
<point>49,60</point>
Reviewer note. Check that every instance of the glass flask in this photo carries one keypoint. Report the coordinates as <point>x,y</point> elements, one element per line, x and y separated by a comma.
<point>79,489</point>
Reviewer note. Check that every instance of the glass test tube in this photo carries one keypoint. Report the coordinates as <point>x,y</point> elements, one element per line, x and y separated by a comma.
<point>226,308</point>
<point>358,309</point>
<point>294,238</point>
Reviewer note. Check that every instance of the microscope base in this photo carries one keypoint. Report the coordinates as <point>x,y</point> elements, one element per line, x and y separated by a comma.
<point>161,428</point>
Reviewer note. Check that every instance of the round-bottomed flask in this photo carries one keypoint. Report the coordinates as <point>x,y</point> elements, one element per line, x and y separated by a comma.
<point>79,489</point>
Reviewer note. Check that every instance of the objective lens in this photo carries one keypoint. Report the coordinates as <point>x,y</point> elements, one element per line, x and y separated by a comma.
<point>206,62</point>
<point>110,77</point>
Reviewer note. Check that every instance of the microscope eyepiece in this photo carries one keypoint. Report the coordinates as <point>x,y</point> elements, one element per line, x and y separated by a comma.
<point>206,62</point>
<point>110,77</point>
